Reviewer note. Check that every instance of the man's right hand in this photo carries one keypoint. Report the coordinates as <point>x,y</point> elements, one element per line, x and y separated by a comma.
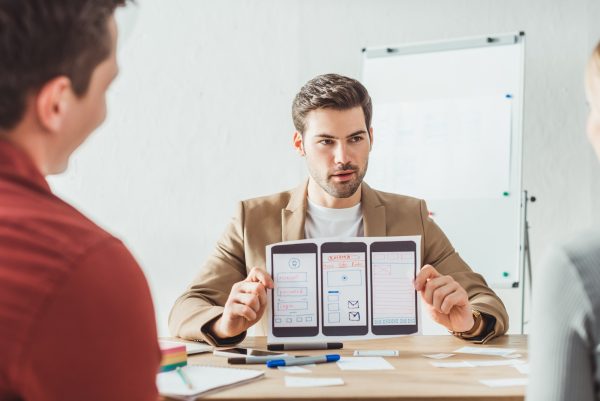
<point>245,306</point>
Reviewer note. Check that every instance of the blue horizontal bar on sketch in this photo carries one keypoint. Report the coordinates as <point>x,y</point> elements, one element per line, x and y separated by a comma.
<point>333,292</point>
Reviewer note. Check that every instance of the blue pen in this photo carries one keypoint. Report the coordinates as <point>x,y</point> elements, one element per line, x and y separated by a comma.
<point>303,361</point>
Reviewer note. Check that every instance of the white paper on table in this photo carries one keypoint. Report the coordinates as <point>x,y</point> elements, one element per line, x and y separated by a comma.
<point>294,381</point>
<point>364,363</point>
<point>498,362</point>
<point>485,351</point>
<point>524,368</point>
<point>512,356</point>
<point>461,364</point>
<point>438,356</point>
<point>293,369</point>
<point>374,352</point>
<point>512,382</point>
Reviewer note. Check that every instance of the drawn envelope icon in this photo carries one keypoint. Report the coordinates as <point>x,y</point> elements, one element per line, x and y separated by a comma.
<point>354,316</point>
<point>352,304</point>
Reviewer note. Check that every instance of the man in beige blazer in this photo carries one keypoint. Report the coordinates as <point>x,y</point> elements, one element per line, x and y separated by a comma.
<point>332,117</point>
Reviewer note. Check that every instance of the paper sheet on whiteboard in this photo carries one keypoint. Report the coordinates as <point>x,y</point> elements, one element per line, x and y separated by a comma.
<point>443,149</point>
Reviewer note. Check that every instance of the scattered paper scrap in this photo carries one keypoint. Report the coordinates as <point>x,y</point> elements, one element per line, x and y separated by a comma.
<point>374,352</point>
<point>520,381</point>
<point>364,363</point>
<point>438,356</point>
<point>293,369</point>
<point>460,364</point>
<point>473,364</point>
<point>485,351</point>
<point>498,362</point>
<point>524,368</point>
<point>295,381</point>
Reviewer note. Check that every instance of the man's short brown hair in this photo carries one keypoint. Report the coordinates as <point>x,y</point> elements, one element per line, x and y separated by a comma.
<point>43,39</point>
<point>330,91</point>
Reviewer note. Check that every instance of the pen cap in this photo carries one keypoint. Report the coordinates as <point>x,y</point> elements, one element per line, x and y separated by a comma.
<point>333,358</point>
<point>275,363</point>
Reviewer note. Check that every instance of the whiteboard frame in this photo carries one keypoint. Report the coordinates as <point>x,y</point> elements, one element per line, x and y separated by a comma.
<point>516,145</point>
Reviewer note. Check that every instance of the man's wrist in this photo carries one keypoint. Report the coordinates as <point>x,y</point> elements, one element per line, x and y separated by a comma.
<point>476,330</point>
<point>213,329</point>
<point>216,338</point>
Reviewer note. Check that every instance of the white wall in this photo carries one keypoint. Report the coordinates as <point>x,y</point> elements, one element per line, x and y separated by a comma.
<point>200,114</point>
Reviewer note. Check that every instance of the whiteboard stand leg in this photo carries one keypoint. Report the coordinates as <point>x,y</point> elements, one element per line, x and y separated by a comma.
<point>526,262</point>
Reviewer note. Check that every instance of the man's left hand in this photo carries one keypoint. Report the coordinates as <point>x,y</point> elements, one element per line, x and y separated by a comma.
<point>446,300</point>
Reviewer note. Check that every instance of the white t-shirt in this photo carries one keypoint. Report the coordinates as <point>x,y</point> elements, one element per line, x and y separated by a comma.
<point>324,222</point>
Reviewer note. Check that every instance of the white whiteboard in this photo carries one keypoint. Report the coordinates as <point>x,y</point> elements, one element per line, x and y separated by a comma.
<point>447,128</point>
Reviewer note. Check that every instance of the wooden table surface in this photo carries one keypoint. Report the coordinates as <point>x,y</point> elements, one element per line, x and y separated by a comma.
<point>414,378</point>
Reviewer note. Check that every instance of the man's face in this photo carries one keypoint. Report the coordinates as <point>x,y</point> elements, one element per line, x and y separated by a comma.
<point>86,113</point>
<point>336,144</point>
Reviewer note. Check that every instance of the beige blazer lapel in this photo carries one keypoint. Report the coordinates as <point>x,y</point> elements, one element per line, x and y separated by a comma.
<point>373,213</point>
<point>294,214</point>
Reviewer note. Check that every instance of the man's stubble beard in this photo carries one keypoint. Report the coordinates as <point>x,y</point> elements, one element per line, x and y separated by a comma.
<point>342,189</point>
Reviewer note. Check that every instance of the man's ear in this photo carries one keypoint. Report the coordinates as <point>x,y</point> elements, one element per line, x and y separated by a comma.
<point>52,103</point>
<point>371,138</point>
<point>298,143</point>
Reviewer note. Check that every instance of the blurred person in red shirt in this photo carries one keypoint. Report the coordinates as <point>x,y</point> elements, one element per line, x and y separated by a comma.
<point>76,316</point>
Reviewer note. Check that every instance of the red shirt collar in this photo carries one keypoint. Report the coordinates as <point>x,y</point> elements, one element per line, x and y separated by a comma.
<point>14,162</point>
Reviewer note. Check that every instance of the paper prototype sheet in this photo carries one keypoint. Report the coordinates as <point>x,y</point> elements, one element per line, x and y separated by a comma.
<point>343,289</point>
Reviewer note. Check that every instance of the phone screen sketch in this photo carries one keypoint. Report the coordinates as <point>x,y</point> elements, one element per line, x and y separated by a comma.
<point>344,288</point>
<point>294,298</point>
<point>393,297</point>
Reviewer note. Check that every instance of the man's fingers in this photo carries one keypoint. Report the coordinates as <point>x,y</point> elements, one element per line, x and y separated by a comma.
<point>262,298</point>
<point>254,288</point>
<point>427,272</point>
<point>457,298</point>
<point>440,294</point>
<point>250,287</point>
<point>248,299</point>
<point>244,311</point>
<point>261,276</point>
<point>432,286</point>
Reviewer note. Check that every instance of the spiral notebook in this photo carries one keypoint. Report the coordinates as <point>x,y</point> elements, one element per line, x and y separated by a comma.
<point>204,379</point>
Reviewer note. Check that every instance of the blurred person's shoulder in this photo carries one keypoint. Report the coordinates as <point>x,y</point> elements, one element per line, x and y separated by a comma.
<point>581,253</point>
